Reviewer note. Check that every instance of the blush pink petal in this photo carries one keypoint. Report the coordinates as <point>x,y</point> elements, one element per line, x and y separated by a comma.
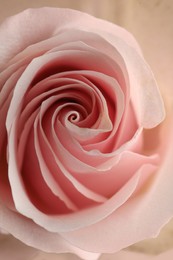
<point>122,255</point>
<point>16,192</point>
<point>47,175</point>
<point>71,221</point>
<point>62,57</point>
<point>82,189</point>
<point>143,88</point>
<point>5,98</point>
<point>38,237</point>
<point>127,224</point>
<point>61,19</point>
<point>148,90</point>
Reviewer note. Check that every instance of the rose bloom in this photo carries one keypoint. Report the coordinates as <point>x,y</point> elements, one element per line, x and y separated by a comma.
<point>85,152</point>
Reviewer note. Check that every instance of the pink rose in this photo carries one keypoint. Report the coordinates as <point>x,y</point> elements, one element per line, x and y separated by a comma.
<point>84,167</point>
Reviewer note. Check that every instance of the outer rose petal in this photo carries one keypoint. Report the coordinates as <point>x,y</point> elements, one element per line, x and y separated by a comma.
<point>19,251</point>
<point>16,38</point>
<point>33,235</point>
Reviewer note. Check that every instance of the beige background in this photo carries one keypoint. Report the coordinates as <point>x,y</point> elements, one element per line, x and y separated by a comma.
<point>151,22</point>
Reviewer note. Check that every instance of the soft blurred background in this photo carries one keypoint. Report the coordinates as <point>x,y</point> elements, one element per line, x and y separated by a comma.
<point>151,22</point>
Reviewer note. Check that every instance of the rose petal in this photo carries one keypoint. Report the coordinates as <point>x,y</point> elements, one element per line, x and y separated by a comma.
<point>71,222</point>
<point>61,19</point>
<point>135,228</point>
<point>33,235</point>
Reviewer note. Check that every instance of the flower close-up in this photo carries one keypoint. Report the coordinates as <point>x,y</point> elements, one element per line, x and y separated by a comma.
<point>85,145</point>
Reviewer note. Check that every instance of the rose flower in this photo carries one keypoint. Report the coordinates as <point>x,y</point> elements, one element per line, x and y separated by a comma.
<point>84,161</point>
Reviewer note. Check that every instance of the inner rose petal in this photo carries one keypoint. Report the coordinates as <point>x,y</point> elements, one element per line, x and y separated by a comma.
<point>32,174</point>
<point>5,98</point>
<point>114,103</point>
<point>58,163</point>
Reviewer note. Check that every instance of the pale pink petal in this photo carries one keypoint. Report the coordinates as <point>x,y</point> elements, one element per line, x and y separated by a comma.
<point>82,189</point>
<point>52,59</point>
<point>47,256</point>
<point>155,205</point>
<point>144,92</point>
<point>122,255</point>
<point>5,98</point>
<point>85,255</point>
<point>60,19</point>
<point>33,235</point>
<point>24,206</point>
